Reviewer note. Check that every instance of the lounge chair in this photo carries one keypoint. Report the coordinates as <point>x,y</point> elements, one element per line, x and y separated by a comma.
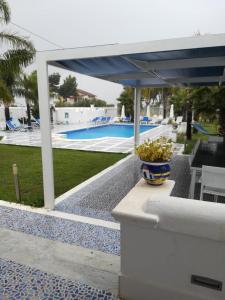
<point>37,121</point>
<point>179,120</point>
<point>103,120</point>
<point>108,119</point>
<point>12,127</point>
<point>94,120</point>
<point>145,120</point>
<point>165,121</point>
<point>201,129</point>
<point>18,124</point>
<point>126,119</point>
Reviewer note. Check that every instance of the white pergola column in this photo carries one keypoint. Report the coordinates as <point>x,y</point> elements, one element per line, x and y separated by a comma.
<point>46,139</point>
<point>137,100</point>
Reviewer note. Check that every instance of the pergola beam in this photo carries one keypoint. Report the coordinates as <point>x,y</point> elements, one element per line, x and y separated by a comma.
<point>180,63</point>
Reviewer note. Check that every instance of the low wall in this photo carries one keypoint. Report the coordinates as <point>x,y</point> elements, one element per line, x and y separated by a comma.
<point>70,115</point>
<point>77,115</point>
<point>15,112</point>
<point>171,248</point>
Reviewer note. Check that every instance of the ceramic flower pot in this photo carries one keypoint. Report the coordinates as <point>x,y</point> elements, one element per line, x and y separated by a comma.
<point>155,173</point>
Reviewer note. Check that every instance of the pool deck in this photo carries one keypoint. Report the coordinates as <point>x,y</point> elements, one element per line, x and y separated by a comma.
<point>117,145</point>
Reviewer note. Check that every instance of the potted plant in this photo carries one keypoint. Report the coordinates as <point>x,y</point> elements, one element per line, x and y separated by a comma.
<point>155,156</point>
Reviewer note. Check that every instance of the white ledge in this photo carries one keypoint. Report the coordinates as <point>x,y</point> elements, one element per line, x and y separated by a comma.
<point>153,207</point>
<point>131,208</point>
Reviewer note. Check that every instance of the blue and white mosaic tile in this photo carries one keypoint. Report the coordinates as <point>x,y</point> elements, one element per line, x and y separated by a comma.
<point>19,282</point>
<point>66,231</point>
<point>97,199</point>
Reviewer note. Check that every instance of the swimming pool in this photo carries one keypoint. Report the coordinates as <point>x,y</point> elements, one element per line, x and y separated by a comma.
<point>104,131</point>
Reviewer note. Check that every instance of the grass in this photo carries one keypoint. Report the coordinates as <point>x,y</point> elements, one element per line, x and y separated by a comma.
<point>70,169</point>
<point>211,128</point>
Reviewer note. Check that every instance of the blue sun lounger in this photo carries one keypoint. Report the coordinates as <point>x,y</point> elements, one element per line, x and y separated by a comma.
<point>14,127</point>
<point>201,129</point>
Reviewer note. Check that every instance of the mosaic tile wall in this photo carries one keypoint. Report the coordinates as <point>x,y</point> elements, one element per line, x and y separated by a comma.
<point>80,234</point>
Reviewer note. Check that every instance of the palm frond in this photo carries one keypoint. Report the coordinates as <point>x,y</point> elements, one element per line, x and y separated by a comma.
<point>4,12</point>
<point>26,86</point>
<point>5,94</point>
<point>14,60</point>
<point>16,41</point>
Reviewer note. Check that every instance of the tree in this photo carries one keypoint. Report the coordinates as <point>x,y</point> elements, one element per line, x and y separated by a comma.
<point>183,99</point>
<point>68,88</point>
<point>54,80</point>
<point>27,87</point>
<point>211,102</point>
<point>83,103</point>
<point>126,98</point>
<point>19,54</point>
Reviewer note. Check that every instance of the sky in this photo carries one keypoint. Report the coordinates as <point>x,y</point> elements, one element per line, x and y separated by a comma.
<point>73,23</point>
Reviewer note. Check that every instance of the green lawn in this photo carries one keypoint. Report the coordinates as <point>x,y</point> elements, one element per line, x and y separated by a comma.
<point>70,168</point>
<point>212,128</point>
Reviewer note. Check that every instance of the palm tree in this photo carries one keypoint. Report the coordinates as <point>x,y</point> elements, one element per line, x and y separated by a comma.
<point>19,54</point>
<point>26,86</point>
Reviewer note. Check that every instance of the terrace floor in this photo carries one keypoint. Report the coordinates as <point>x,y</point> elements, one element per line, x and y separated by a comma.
<point>72,252</point>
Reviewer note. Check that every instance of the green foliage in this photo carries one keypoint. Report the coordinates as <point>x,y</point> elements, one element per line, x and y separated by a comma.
<point>156,150</point>
<point>54,80</point>
<point>83,103</point>
<point>26,86</point>
<point>20,52</point>
<point>68,88</point>
<point>70,169</point>
<point>127,99</point>
<point>189,144</point>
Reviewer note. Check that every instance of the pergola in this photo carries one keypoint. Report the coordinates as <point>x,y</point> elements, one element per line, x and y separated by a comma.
<point>187,62</point>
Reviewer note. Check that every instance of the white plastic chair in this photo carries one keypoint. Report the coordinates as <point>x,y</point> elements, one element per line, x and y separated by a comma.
<point>165,121</point>
<point>213,182</point>
<point>179,120</point>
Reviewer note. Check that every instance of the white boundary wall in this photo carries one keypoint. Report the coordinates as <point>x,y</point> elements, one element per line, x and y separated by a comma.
<point>15,112</point>
<point>77,115</point>
<point>70,115</point>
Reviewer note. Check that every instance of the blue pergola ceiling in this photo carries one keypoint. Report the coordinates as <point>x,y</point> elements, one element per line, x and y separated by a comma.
<point>126,70</point>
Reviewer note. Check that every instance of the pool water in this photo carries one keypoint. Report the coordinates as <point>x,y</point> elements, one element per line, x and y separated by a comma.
<point>112,130</point>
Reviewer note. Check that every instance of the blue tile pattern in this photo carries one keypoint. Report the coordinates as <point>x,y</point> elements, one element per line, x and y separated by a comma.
<point>98,198</point>
<point>19,282</point>
<point>66,231</point>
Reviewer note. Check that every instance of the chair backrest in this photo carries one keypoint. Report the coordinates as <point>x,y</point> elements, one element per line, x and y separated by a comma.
<point>199,128</point>
<point>10,125</point>
<point>16,122</point>
<point>165,121</point>
<point>145,119</point>
<point>213,177</point>
<point>215,138</point>
<point>179,119</point>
